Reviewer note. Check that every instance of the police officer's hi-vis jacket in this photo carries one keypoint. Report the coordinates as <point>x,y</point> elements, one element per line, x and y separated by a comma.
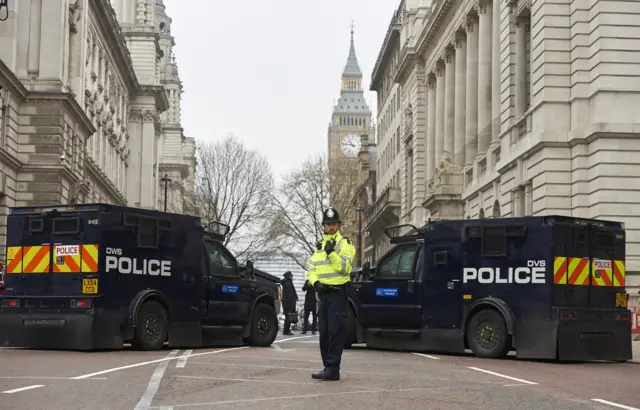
<point>335,268</point>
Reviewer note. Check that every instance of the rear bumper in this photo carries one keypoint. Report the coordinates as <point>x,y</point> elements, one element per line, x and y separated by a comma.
<point>66,331</point>
<point>594,335</point>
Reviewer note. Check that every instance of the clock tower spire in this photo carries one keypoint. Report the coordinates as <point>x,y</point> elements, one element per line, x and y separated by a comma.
<point>351,115</point>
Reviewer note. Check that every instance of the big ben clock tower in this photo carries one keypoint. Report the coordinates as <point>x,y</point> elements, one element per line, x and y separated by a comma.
<point>351,116</point>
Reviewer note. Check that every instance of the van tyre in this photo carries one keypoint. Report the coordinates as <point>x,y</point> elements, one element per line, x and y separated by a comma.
<point>264,326</point>
<point>152,327</point>
<point>487,334</point>
<point>351,329</point>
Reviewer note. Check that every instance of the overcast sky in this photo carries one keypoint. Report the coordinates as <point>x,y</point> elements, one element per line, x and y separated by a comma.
<point>269,71</point>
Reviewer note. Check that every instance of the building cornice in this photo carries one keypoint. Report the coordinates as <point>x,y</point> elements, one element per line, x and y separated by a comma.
<point>94,170</point>
<point>106,17</point>
<point>427,39</point>
<point>158,91</point>
<point>407,60</point>
<point>390,40</point>
<point>9,160</point>
<point>11,81</point>
<point>70,103</point>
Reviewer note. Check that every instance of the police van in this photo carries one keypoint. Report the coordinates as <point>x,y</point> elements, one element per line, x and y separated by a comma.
<point>548,287</point>
<point>97,276</point>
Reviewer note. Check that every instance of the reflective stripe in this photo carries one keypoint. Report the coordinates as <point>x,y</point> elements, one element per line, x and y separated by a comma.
<point>330,275</point>
<point>338,245</point>
<point>320,263</point>
<point>311,269</point>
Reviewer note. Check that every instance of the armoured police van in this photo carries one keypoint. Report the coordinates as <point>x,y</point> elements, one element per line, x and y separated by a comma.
<point>548,287</point>
<point>97,276</point>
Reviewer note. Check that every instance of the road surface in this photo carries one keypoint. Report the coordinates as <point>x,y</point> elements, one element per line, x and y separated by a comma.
<point>279,377</point>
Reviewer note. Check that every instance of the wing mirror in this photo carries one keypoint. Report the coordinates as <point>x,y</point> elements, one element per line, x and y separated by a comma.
<point>249,267</point>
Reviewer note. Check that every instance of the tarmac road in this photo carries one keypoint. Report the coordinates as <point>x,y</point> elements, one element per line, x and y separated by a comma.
<point>279,378</point>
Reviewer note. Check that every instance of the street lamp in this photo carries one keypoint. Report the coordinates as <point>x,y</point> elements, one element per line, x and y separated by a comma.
<point>166,181</point>
<point>359,211</point>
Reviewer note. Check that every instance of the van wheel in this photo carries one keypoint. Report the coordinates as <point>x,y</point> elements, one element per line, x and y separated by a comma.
<point>264,326</point>
<point>487,334</point>
<point>152,327</point>
<point>351,329</point>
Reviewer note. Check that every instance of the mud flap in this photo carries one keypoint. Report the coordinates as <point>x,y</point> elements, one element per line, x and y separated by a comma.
<point>587,340</point>
<point>62,331</point>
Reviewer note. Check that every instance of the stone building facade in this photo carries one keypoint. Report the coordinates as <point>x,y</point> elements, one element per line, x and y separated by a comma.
<point>90,101</point>
<point>515,108</point>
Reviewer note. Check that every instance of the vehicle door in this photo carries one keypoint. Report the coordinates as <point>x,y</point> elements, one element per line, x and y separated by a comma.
<point>56,254</point>
<point>392,298</point>
<point>229,302</point>
<point>442,288</point>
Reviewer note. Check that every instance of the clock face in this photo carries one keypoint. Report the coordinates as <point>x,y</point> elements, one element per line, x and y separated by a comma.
<point>350,145</point>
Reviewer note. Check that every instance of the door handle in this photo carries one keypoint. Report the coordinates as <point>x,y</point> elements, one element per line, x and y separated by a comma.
<point>410,286</point>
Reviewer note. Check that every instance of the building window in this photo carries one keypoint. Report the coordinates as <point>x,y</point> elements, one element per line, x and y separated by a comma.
<point>409,179</point>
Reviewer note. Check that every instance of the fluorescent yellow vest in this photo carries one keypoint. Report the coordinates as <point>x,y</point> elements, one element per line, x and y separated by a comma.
<point>335,268</point>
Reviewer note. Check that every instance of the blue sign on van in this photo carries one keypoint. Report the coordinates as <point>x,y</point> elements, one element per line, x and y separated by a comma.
<point>387,292</point>
<point>229,289</point>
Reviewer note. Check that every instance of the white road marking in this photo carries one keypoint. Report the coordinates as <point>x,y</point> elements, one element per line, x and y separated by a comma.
<point>243,380</point>
<point>427,356</point>
<point>291,338</point>
<point>130,366</point>
<point>620,406</point>
<point>306,396</point>
<point>164,359</point>
<point>182,361</point>
<point>35,386</point>
<point>49,377</point>
<point>502,375</point>
<point>154,383</point>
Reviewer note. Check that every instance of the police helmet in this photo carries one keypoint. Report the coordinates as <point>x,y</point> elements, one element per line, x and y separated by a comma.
<point>330,215</point>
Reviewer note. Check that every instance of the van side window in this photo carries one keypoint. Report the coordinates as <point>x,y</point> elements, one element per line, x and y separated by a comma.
<point>494,241</point>
<point>215,266</point>
<point>399,265</point>
<point>148,233</point>
<point>229,264</point>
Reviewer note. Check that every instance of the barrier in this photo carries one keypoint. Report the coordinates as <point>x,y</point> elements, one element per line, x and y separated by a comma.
<point>635,321</point>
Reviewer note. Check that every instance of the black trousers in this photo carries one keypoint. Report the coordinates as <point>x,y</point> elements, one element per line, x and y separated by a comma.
<point>313,313</point>
<point>333,327</point>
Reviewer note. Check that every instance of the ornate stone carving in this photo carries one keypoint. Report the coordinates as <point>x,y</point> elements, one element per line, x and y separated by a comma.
<point>459,39</point>
<point>470,22</point>
<point>449,55</point>
<point>408,119</point>
<point>481,6</point>
<point>75,8</point>
<point>135,115</point>
<point>149,116</point>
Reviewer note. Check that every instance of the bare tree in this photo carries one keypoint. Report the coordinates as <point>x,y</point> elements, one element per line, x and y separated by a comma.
<point>231,185</point>
<point>296,221</point>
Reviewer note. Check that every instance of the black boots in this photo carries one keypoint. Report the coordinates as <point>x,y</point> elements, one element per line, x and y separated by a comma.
<point>327,375</point>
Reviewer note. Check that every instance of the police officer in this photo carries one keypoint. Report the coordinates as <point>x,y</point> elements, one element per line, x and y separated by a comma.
<point>329,272</point>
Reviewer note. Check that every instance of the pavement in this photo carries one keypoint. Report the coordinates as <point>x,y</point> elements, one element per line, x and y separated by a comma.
<point>279,377</point>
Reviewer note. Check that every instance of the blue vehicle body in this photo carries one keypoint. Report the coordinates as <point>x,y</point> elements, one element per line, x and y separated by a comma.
<point>547,287</point>
<point>96,276</point>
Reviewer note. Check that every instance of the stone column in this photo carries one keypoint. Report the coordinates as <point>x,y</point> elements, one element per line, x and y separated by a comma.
<point>471,108</point>
<point>528,200</point>
<point>521,68</point>
<point>449,102</point>
<point>440,112</point>
<point>495,73</point>
<point>431,126</point>
<point>460,43</point>
<point>484,76</point>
